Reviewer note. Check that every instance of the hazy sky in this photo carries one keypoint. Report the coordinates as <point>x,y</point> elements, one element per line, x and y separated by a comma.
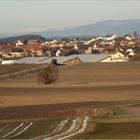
<point>40,15</point>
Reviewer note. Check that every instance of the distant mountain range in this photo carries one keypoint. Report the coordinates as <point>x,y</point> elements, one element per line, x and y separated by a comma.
<point>13,39</point>
<point>118,27</point>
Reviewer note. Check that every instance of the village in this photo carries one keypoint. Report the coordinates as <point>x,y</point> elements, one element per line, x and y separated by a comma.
<point>109,48</point>
<point>69,69</point>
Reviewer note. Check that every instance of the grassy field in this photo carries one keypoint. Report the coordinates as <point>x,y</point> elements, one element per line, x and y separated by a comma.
<point>39,128</point>
<point>113,89</point>
<point>113,131</point>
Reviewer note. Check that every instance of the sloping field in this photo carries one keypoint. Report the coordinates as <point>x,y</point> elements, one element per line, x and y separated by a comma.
<point>107,93</point>
<point>79,83</point>
<point>27,129</point>
<point>6,69</point>
<point>113,131</point>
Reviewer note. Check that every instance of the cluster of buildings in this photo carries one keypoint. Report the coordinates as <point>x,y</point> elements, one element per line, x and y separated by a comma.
<point>109,48</point>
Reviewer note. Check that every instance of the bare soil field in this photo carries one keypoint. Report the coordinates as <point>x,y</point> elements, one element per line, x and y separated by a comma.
<point>108,93</point>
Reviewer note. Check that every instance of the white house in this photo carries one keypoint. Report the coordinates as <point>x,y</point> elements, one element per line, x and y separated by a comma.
<point>117,55</point>
<point>58,53</point>
<point>19,43</point>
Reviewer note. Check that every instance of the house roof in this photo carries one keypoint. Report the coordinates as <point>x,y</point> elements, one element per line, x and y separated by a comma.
<point>29,60</point>
<point>6,48</point>
<point>86,58</point>
<point>92,57</point>
<point>60,59</point>
<point>34,47</point>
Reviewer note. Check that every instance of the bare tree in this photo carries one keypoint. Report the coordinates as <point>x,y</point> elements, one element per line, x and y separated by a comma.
<point>47,75</point>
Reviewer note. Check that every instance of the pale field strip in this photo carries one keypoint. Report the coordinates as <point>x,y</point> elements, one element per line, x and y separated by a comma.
<point>12,131</point>
<point>82,129</point>
<point>60,126</point>
<point>24,129</point>
<point>73,125</point>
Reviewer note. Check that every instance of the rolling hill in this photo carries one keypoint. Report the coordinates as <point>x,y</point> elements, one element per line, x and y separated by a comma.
<point>13,39</point>
<point>118,27</point>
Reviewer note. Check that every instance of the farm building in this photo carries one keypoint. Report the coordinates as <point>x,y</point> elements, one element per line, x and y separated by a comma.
<point>116,57</point>
<point>68,60</point>
<point>7,62</point>
<point>89,58</point>
<point>29,60</point>
<point>76,59</point>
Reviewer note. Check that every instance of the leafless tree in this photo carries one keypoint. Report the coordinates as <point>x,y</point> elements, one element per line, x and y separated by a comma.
<point>47,75</point>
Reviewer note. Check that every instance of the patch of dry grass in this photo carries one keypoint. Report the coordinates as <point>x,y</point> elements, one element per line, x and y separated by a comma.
<point>6,69</point>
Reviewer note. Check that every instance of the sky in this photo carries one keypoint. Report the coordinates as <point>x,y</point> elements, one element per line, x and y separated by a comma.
<point>21,16</point>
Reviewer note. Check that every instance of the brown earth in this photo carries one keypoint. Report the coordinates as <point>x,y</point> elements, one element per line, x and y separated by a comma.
<point>77,85</point>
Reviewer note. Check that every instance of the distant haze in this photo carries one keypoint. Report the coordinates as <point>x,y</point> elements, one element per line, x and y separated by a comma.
<point>23,16</point>
<point>118,27</point>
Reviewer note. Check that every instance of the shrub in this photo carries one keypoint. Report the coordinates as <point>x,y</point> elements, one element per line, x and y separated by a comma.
<point>47,75</point>
<point>135,57</point>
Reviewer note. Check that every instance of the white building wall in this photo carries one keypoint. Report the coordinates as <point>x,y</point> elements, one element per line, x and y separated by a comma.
<point>7,62</point>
